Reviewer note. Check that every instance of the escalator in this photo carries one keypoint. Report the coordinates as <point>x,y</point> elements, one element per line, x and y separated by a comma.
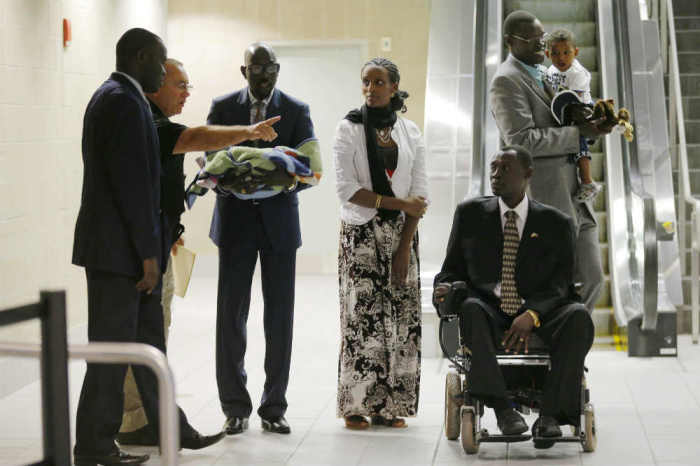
<point>640,257</point>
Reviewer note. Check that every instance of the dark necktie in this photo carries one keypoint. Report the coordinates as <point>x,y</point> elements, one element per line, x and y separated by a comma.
<point>258,113</point>
<point>510,300</point>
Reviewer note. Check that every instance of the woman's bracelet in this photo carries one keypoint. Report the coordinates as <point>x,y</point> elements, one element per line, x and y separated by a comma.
<point>378,202</point>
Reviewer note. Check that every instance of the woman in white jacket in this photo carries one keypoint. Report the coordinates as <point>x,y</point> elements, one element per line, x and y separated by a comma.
<point>381,182</point>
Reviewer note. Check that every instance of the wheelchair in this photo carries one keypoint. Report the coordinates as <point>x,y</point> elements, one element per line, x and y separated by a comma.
<point>525,375</point>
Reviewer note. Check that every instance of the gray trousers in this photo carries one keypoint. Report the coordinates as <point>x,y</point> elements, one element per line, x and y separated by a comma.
<point>588,269</point>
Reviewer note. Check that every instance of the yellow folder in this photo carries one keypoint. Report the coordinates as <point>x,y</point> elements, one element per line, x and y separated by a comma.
<point>183,262</point>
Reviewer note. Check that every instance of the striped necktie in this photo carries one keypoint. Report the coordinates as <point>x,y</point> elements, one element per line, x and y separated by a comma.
<point>258,111</point>
<point>510,300</point>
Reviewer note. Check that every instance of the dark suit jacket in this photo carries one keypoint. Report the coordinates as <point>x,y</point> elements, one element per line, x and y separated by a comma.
<point>118,224</point>
<point>233,217</point>
<point>544,264</point>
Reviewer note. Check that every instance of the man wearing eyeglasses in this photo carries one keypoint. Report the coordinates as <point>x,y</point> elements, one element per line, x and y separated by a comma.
<point>520,97</point>
<point>246,229</point>
<point>175,140</point>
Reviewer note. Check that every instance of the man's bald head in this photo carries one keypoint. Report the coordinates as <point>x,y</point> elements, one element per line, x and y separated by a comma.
<point>525,37</point>
<point>259,50</point>
<point>260,69</point>
<point>515,21</point>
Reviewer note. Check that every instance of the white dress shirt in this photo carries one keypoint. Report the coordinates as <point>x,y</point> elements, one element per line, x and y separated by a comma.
<point>520,218</point>
<point>520,214</point>
<point>352,167</point>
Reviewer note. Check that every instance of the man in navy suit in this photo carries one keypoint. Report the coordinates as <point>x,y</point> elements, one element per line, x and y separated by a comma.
<point>244,229</point>
<point>517,259</point>
<point>119,240</point>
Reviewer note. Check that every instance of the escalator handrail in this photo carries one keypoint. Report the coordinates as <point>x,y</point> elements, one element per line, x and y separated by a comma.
<point>685,195</point>
<point>650,244</point>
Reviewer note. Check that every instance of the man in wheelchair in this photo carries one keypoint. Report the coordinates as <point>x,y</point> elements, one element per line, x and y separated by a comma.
<point>516,259</point>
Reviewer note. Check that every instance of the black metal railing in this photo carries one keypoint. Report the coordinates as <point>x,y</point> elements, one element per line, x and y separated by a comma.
<point>51,310</point>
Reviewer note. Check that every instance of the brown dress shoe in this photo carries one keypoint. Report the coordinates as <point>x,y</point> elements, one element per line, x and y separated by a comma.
<point>356,422</point>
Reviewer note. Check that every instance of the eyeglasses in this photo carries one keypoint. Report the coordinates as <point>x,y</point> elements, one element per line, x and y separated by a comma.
<point>270,68</point>
<point>541,39</point>
<point>183,86</point>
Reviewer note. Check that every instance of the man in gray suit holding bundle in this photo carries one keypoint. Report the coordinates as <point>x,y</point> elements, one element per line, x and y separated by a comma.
<point>520,99</point>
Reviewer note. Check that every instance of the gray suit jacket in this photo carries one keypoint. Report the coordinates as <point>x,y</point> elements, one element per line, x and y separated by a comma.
<point>521,109</point>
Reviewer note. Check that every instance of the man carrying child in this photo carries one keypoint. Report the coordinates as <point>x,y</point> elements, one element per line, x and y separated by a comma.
<point>520,96</point>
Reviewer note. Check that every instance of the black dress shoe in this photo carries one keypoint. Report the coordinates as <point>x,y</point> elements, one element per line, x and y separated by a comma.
<point>235,425</point>
<point>510,422</point>
<point>198,441</point>
<point>546,426</point>
<point>278,425</point>
<point>144,437</point>
<point>118,457</point>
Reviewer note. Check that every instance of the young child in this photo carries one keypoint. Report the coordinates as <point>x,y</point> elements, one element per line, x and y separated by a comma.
<point>567,72</point>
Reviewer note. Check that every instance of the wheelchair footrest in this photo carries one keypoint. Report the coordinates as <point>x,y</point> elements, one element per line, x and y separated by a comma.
<point>486,437</point>
<point>563,438</point>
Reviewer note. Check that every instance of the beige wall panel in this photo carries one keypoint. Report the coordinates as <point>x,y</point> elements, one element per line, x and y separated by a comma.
<point>355,16</point>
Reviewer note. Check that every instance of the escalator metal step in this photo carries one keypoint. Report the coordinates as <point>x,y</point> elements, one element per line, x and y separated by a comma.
<point>692,130</point>
<point>603,320</point>
<point>689,62</point>
<point>688,40</point>
<point>555,10</point>
<point>584,31</point>
<point>686,8</point>
<point>687,22</point>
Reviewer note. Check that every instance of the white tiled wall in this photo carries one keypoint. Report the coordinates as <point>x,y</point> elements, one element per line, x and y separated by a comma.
<point>44,89</point>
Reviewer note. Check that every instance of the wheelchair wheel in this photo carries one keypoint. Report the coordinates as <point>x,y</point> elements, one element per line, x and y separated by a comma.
<point>453,388</point>
<point>590,440</point>
<point>470,444</point>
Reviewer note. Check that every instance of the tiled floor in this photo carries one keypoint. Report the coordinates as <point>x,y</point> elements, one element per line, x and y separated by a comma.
<point>647,410</point>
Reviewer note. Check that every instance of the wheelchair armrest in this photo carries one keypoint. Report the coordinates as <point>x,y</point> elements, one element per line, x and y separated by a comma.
<point>449,304</point>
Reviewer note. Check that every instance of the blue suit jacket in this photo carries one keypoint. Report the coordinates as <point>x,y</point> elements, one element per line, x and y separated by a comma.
<point>233,219</point>
<point>119,224</point>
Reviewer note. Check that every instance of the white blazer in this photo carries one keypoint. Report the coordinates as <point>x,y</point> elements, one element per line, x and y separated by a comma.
<point>352,167</point>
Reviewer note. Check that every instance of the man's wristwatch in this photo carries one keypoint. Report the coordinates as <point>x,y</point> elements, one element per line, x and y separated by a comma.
<point>535,317</point>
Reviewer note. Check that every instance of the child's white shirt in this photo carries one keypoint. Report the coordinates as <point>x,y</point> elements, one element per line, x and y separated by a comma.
<point>577,78</point>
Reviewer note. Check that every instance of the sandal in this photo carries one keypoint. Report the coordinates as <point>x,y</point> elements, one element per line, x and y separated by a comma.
<point>397,422</point>
<point>356,422</point>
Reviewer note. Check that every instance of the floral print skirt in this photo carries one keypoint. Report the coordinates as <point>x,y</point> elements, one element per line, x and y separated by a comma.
<point>380,324</point>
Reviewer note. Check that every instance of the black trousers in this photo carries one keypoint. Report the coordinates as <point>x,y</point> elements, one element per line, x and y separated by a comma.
<point>568,331</point>
<point>117,312</point>
<point>236,267</point>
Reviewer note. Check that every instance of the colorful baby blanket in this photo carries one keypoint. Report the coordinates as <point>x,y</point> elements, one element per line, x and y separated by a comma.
<point>242,171</point>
